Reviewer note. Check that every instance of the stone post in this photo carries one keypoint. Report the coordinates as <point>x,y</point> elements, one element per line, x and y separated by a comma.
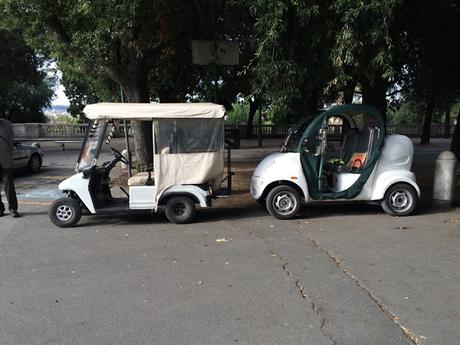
<point>444,178</point>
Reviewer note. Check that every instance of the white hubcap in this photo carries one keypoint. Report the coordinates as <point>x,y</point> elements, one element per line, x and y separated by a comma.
<point>284,203</point>
<point>64,213</point>
<point>401,200</point>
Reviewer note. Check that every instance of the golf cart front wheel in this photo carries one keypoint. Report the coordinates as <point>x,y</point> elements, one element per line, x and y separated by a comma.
<point>180,210</point>
<point>65,212</point>
<point>400,200</point>
<point>283,202</point>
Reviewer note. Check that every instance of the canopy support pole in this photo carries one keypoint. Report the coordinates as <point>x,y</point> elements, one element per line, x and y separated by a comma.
<point>125,125</point>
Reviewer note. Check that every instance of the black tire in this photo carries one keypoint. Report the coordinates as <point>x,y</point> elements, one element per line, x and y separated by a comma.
<point>400,200</point>
<point>283,202</point>
<point>65,212</point>
<point>180,209</point>
<point>35,163</point>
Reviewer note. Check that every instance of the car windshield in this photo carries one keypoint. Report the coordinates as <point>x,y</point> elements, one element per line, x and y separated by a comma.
<point>291,143</point>
<point>92,144</point>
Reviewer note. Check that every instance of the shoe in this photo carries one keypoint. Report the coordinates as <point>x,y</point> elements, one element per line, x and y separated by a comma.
<point>15,214</point>
<point>2,213</point>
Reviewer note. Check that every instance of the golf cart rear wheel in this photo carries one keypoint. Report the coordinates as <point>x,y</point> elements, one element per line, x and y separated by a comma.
<point>400,200</point>
<point>283,202</point>
<point>65,212</point>
<point>180,209</point>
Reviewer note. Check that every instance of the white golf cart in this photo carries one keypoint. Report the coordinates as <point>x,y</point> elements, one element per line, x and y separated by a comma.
<point>188,164</point>
<point>341,154</point>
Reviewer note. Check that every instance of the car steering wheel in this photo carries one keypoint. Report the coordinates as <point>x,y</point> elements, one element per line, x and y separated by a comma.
<point>119,156</point>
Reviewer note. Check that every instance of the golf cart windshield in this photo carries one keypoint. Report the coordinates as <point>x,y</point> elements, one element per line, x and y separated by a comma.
<point>91,147</point>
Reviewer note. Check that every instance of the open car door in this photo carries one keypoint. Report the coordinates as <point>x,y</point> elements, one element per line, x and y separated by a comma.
<point>362,147</point>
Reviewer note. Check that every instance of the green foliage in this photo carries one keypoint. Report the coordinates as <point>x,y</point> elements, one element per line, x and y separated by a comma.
<point>238,113</point>
<point>364,45</point>
<point>64,119</point>
<point>82,89</point>
<point>411,112</point>
<point>292,63</point>
<point>25,88</point>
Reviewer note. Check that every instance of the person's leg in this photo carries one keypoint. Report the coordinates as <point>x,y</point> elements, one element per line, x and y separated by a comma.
<point>2,207</point>
<point>10,191</point>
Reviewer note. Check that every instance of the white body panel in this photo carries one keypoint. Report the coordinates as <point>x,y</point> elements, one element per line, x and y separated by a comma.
<point>141,197</point>
<point>392,167</point>
<point>278,167</point>
<point>196,191</point>
<point>79,185</point>
<point>343,181</point>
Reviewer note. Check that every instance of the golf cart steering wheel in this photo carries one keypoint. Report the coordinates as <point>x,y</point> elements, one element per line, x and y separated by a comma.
<point>119,156</point>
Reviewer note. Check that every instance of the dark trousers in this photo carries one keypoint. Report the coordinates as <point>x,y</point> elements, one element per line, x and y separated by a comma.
<point>10,191</point>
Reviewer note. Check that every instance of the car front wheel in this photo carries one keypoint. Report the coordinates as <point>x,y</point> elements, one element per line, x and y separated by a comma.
<point>35,163</point>
<point>283,202</point>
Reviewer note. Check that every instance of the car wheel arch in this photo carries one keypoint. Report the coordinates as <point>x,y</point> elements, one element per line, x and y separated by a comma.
<point>274,184</point>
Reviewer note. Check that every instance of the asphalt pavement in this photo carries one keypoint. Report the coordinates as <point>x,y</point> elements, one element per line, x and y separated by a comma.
<point>335,275</point>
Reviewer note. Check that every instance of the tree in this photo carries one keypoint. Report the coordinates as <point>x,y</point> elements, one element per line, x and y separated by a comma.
<point>370,47</point>
<point>25,88</point>
<point>432,27</point>
<point>82,90</point>
<point>118,40</point>
<point>292,64</point>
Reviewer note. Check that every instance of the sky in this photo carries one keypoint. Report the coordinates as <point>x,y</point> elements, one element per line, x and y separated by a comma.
<point>59,96</point>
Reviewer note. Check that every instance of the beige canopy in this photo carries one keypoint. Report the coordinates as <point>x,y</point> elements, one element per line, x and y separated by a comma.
<point>148,111</point>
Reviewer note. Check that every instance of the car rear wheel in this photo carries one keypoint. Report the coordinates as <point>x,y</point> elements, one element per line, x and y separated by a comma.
<point>35,163</point>
<point>65,212</point>
<point>180,210</point>
<point>283,202</point>
<point>400,200</point>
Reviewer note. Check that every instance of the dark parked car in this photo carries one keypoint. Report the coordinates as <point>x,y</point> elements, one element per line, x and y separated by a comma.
<point>29,157</point>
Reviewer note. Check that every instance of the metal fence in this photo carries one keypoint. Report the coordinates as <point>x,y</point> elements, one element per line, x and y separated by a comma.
<point>44,130</point>
<point>280,131</point>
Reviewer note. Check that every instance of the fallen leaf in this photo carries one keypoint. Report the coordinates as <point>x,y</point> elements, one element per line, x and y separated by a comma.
<point>401,228</point>
<point>453,221</point>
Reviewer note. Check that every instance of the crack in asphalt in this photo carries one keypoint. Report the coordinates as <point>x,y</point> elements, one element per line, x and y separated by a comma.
<point>386,310</point>
<point>305,296</point>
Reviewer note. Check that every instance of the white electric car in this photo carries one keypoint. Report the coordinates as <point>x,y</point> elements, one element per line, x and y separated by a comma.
<point>340,154</point>
<point>188,163</point>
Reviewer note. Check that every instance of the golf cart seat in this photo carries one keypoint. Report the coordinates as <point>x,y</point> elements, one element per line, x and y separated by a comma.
<point>139,179</point>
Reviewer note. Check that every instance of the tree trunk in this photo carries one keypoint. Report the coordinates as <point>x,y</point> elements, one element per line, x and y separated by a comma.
<point>426,130</point>
<point>136,92</point>
<point>455,144</point>
<point>374,93</point>
<point>253,106</point>
<point>447,122</point>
